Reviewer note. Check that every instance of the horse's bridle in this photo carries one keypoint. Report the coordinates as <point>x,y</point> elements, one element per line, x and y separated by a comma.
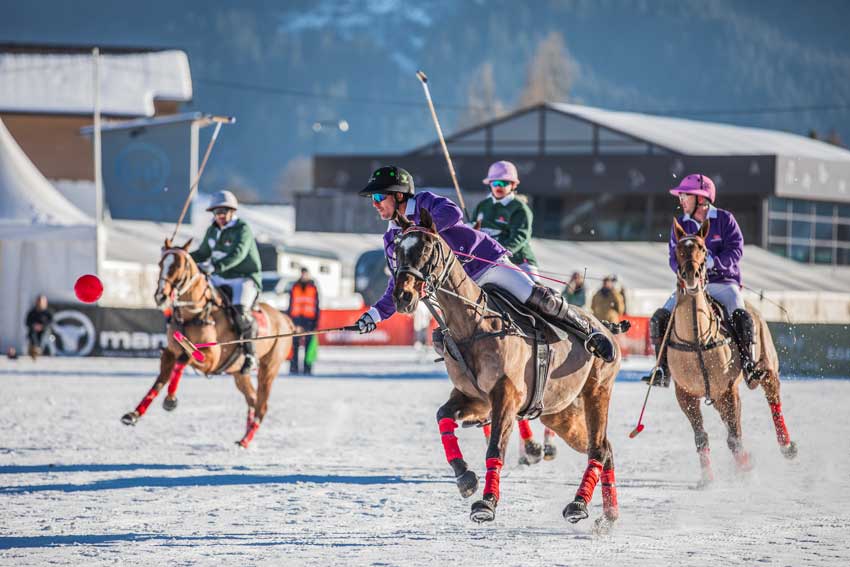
<point>699,268</point>
<point>182,285</point>
<point>426,273</point>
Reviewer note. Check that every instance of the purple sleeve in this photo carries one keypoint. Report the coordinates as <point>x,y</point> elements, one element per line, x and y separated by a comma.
<point>444,212</point>
<point>385,306</point>
<point>674,265</point>
<point>733,249</point>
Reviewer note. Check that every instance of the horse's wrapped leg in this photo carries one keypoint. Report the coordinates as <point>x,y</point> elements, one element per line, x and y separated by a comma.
<point>484,510</point>
<point>610,507</point>
<point>467,480</point>
<point>249,434</point>
<point>788,447</point>
<point>170,401</point>
<point>531,452</point>
<point>577,509</point>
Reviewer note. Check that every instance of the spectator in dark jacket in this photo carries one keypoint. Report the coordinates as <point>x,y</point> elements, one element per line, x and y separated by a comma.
<point>38,324</point>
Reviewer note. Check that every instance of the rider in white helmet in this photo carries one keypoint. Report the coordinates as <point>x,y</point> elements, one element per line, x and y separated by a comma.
<point>229,254</point>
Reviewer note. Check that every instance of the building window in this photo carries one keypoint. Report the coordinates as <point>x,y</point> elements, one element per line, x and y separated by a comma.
<point>809,231</point>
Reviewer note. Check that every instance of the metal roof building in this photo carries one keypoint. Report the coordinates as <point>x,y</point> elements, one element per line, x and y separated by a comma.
<point>600,175</point>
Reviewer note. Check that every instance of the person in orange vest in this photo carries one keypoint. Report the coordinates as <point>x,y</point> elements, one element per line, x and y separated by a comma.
<point>304,312</point>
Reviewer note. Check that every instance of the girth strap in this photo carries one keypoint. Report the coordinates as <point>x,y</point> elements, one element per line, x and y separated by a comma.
<point>542,360</point>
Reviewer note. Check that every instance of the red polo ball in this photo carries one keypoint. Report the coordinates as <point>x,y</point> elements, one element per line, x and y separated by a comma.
<point>88,288</point>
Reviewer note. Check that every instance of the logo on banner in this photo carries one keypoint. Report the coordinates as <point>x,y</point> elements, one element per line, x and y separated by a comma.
<point>74,332</point>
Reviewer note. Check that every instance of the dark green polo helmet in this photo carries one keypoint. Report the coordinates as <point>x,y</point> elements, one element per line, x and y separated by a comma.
<point>389,179</point>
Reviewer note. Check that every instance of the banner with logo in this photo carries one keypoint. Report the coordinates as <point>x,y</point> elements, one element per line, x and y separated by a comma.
<point>87,330</point>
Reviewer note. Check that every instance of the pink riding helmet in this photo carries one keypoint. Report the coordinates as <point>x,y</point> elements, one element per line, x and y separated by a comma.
<point>696,184</point>
<point>502,170</point>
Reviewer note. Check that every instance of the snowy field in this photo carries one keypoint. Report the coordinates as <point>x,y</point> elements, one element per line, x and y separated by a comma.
<point>348,469</point>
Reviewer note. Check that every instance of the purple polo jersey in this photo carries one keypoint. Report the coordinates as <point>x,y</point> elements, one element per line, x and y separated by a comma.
<point>448,219</point>
<point>724,241</point>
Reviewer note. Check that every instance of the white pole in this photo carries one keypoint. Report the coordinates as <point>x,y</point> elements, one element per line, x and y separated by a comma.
<point>100,246</point>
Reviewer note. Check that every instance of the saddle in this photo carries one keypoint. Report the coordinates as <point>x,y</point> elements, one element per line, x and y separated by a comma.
<point>529,324</point>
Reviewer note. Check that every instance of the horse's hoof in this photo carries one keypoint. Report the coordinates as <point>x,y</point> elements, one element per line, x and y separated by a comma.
<point>743,462</point>
<point>532,453</point>
<point>130,418</point>
<point>483,510</point>
<point>603,525</point>
<point>575,511</point>
<point>549,451</point>
<point>242,443</point>
<point>467,483</point>
<point>789,451</point>
<point>169,404</point>
<point>704,483</point>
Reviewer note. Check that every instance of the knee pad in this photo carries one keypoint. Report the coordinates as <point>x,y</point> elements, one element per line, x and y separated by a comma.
<point>658,324</point>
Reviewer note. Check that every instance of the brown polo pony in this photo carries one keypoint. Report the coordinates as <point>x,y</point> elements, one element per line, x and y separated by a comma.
<point>198,314</point>
<point>704,364</point>
<point>500,381</point>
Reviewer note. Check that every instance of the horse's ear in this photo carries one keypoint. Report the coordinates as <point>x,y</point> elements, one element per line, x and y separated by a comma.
<point>402,221</point>
<point>703,229</point>
<point>678,230</point>
<point>186,246</point>
<point>426,220</point>
<point>167,244</point>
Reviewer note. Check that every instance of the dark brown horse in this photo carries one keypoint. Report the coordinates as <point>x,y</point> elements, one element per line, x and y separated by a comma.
<point>501,374</point>
<point>705,364</point>
<point>200,316</point>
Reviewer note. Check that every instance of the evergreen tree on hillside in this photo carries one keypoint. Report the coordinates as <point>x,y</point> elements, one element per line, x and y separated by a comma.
<point>551,72</point>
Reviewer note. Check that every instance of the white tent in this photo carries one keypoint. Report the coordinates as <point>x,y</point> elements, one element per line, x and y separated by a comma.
<point>45,241</point>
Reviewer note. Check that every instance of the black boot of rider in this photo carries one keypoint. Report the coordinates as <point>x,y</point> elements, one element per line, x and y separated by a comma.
<point>551,305</point>
<point>742,321</point>
<point>247,330</point>
<point>657,328</point>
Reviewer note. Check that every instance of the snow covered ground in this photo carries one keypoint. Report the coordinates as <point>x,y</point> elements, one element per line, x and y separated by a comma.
<point>348,469</point>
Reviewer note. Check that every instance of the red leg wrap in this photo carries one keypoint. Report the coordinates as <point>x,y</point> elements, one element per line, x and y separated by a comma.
<point>525,430</point>
<point>447,431</point>
<point>609,495</point>
<point>782,435</point>
<point>491,482</point>
<point>705,464</point>
<point>146,401</point>
<point>250,418</point>
<point>249,435</point>
<point>176,373</point>
<point>589,480</point>
<point>486,430</point>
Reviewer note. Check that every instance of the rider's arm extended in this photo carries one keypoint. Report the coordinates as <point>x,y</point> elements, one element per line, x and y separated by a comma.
<point>203,252</point>
<point>519,230</point>
<point>239,253</point>
<point>733,247</point>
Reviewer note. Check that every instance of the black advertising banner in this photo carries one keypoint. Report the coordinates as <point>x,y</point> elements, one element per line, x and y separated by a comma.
<point>810,350</point>
<point>88,330</point>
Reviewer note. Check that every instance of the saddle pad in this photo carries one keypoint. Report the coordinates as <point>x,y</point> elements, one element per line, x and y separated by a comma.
<point>529,321</point>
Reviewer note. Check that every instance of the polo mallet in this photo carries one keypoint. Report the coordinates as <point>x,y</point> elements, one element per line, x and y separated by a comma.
<point>193,349</point>
<point>640,427</point>
<point>424,80</point>
<point>219,120</point>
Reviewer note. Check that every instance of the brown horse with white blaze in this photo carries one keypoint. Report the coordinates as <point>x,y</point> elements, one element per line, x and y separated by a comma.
<point>704,363</point>
<point>200,315</point>
<point>496,379</point>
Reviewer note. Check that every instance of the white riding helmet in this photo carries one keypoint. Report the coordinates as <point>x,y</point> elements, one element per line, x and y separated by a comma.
<point>223,199</point>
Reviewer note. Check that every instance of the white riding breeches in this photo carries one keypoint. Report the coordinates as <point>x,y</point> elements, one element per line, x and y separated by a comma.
<point>729,295</point>
<point>506,276</point>
<point>531,270</point>
<point>244,289</point>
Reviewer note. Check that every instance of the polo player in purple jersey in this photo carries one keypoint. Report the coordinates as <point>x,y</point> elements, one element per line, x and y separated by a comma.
<point>392,192</point>
<point>725,245</point>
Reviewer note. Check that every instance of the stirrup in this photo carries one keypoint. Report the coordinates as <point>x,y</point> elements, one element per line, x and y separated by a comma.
<point>595,352</point>
<point>657,377</point>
